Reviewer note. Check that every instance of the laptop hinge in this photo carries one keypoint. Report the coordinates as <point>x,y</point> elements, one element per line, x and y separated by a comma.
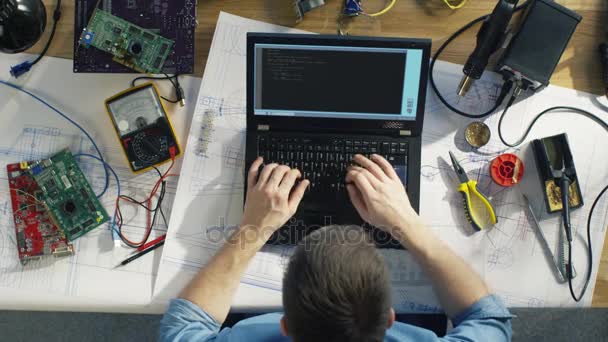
<point>263,127</point>
<point>405,132</point>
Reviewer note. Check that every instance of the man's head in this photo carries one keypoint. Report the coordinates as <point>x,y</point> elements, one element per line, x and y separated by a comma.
<point>336,288</point>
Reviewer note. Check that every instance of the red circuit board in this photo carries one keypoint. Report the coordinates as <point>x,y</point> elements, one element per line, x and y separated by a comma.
<point>36,233</point>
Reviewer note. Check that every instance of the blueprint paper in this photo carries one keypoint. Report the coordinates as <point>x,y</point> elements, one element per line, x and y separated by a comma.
<point>210,192</point>
<point>87,280</point>
<point>209,199</point>
<point>514,264</point>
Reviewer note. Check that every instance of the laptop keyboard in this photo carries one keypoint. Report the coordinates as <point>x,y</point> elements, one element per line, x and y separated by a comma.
<point>323,160</point>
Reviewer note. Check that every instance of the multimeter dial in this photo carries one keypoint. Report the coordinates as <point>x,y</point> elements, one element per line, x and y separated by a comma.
<point>149,148</point>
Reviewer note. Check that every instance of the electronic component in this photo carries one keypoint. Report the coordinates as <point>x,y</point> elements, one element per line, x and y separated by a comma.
<point>352,8</point>
<point>36,233</point>
<point>489,37</point>
<point>131,45</point>
<point>68,195</point>
<point>172,19</point>
<point>535,50</point>
<point>143,127</point>
<point>477,134</point>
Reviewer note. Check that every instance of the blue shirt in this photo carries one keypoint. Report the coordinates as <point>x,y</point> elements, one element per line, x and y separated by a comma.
<point>486,320</point>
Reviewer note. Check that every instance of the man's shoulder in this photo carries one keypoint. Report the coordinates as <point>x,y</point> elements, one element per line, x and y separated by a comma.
<point>266,327</point>
<point>406,332</point>
<point>269,318</point>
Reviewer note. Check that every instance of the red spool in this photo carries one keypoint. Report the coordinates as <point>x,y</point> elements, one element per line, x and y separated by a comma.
<point>507,169</point>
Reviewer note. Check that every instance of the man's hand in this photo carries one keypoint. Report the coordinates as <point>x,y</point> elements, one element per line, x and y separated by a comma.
<point>378,194</point>
<point>273,197</point>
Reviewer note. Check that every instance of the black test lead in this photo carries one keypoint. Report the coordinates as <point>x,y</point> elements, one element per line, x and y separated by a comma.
<point>140,254</point>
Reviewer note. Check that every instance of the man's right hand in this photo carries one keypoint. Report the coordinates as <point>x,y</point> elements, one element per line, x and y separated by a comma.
<point>272,196</point>
<point>378,194</point>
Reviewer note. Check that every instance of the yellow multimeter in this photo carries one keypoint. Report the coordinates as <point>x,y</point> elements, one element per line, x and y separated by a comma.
<point>143,127</point>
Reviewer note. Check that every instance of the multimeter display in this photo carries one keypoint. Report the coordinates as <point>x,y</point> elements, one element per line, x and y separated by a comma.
<point>142,126</point>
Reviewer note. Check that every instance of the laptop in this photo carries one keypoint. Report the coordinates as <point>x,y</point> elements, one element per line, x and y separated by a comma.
<point>314,101</point>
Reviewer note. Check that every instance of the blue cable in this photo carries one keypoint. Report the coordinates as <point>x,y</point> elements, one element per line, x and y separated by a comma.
<point>107,167</point>
<point>8,84</point>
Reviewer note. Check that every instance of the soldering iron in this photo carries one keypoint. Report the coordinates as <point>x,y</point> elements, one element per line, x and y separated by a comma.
<point>489,38</point>
<point>529,57</point>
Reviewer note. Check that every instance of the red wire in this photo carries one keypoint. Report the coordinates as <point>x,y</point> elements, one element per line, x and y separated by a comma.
<point>149,204</point>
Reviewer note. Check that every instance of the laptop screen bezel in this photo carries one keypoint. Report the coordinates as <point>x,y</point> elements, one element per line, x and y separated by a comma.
<point>335,124</point>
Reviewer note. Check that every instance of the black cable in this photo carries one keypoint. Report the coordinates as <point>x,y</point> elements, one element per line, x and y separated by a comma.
<point>179,91</point>
<point>171,79</point>
<point>162,213</point>
<point>142,203</point>
<point>589,253</point>
<point>176,85</point>
<point>56,17</point>
<point>505,88</point>
<point>552,109</point>
<point>152,223</point>
<point>169,100</point>
<point>166,77</point>
<point>157,209</point>
<point>520,141</point>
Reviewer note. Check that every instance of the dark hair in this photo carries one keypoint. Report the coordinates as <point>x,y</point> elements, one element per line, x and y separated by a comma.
<point>336,288</point>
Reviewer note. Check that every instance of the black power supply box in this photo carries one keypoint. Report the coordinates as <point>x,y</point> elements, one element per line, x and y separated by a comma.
<point>537,47</point>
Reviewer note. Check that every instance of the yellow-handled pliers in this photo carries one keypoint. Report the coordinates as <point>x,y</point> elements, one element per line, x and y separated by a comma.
<point>467,187</point>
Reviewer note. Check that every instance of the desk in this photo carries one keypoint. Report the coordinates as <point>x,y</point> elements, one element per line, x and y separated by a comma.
<point>579,69</point>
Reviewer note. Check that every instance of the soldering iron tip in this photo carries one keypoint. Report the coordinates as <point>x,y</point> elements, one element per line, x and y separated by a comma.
<point>465,85</point>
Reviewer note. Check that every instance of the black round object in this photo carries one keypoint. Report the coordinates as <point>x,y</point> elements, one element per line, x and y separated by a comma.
<point>136,48</point>
<point>69,207</point>
<point>22,22</point>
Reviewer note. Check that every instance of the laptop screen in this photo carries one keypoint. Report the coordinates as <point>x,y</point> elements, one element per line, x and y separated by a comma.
<point>336,81</point>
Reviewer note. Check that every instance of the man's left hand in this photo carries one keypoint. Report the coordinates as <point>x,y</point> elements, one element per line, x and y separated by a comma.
<point>272,196</point>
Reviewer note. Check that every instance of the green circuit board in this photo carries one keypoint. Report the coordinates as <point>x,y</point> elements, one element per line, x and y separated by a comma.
<point>67,194</point>
<point>131,45</point>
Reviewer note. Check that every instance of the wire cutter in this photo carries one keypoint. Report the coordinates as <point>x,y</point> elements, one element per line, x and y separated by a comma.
<point>468,187</point>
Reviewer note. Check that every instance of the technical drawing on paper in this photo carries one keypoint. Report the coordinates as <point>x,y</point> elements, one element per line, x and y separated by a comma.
<point>62,276</point>
<point>212,183</point>
<point>214,168</point>
<point>521,301</point>
<point>479,99</point>
<point>218,132</point>
<point>512,255</point>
